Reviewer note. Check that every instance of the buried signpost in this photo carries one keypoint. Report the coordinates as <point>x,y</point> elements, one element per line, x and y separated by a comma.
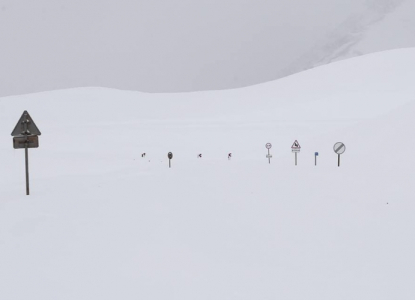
<point>26,136</point>
<point>296,148</point>
<point>269,156</point>
<point>170,156</point>
<point>339,148</point>
<point>315,158</point>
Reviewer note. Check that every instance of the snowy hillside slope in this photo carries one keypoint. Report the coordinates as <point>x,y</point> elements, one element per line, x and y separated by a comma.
<point>104,223</point>
<point>156,46</point>
<point>384,25</point>
<point>176,46</point>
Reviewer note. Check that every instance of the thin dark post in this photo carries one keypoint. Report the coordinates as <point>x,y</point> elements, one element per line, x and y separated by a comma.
<point>26,144</point>
<point>315,160</point>
<point>338,164</point>
<point>269,158</point>
<point>169,156</point>
<point>27,167</point>
<point>295,158</point>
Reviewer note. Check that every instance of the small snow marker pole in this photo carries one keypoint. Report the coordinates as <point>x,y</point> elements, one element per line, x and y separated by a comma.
<point>170,156</point>
<point>269,146</point>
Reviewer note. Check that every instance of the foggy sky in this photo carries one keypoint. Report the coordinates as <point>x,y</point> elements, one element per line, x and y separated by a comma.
<point>157,45</point>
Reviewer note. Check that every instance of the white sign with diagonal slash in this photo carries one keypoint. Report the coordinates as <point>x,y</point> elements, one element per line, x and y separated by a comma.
<point>339,148</point>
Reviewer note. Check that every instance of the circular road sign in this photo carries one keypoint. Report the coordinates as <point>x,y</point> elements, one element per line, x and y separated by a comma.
<point>268,146</point>
<point>339,148</point>
<point>170,155</point>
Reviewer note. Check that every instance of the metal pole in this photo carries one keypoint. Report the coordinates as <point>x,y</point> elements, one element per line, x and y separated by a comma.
<point>169,163</point>
<point>269,158</point>
<point>295,158</point>
<point>26,155</point>
<point>315,160</point>
<point>27,167</point>
<point>338,164</point>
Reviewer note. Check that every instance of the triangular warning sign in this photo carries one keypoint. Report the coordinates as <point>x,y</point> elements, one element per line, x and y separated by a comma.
<point>296,145</point>
<point>25,126</point>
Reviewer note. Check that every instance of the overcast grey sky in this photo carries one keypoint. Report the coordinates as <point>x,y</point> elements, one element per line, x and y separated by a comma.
<point>157,45</point>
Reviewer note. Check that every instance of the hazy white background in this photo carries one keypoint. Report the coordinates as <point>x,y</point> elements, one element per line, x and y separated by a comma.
<point>159,45</point>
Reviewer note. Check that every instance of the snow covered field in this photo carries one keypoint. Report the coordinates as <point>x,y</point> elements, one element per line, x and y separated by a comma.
<point>104,223</point>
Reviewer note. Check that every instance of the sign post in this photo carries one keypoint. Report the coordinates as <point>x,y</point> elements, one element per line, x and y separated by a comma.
<point>339,148</point>
<point>315,158</point>
<point>26,136</point>
<point>170,156</point>
<point>296,149</point>
<point>269,156</point>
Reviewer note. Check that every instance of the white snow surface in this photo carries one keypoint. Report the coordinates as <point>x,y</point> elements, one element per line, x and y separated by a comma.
<point>104,223</point>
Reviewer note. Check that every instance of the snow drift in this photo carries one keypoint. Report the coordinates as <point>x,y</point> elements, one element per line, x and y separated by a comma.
<point>104,223</point>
